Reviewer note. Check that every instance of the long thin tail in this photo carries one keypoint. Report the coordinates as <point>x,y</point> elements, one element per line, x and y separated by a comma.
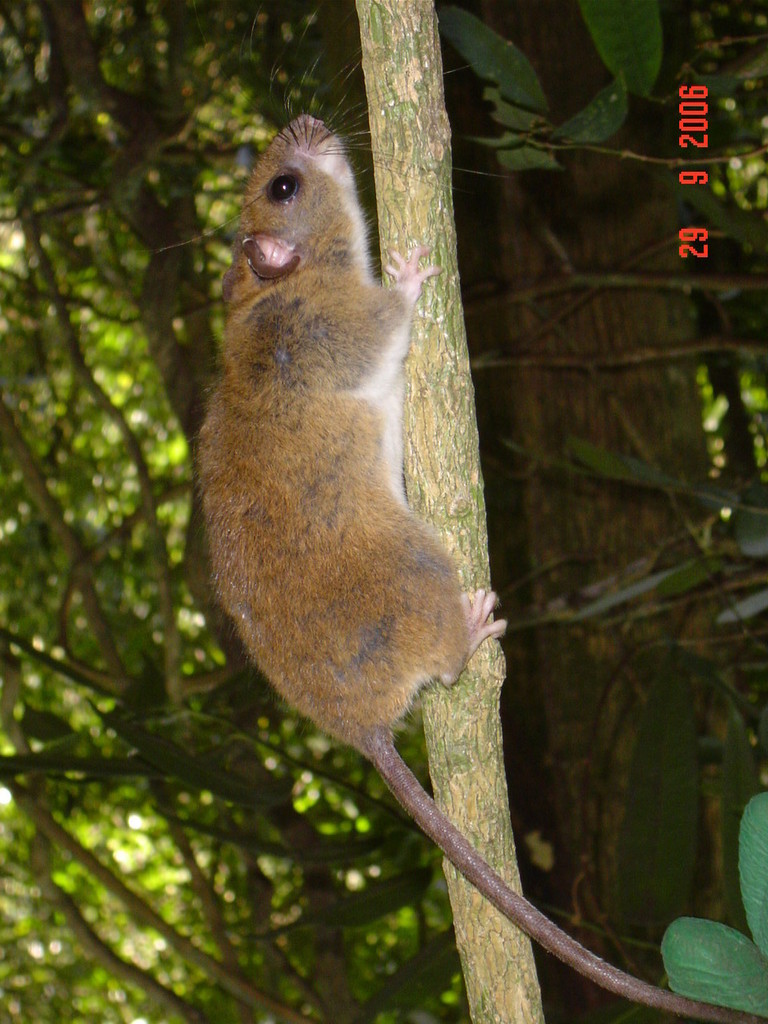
<point>381,750</point>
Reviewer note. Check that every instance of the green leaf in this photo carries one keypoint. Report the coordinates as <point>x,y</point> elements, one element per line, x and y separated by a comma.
<point>91,767</point>
<point>374,902</point>
<point>198,772</point>
<point>753,867</point>
<point>709,961</point>
<point>628,38</point>
<point>600,119</point>
<point>509,140</point>
<point>621,596</point>
<point>657,842</point>
<point>667,583</point>
<point>492,57</point>
<point>688,576</point>
<point>618,467</point>
<point>622,467</point>
<point>426,975</point>
<point>744,609</point>
<point>718,85</point>
<point>728,84</point>
<point>720,213</point>
<point>507,114</point>
<point>44,725</point>
<point>750,526</point>
<point>346,850</point>
<point>527,158</point>
<point>738,784</point>
<point>626,467</point>
<point>599,460</point>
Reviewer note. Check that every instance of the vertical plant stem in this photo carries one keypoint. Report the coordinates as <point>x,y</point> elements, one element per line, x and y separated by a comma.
<point>410,137</point>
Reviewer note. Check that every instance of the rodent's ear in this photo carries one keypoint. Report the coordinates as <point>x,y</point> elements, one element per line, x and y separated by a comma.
<point>270,257</point>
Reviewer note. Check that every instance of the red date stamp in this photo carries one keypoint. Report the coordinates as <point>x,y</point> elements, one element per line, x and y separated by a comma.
<point>693,126</point>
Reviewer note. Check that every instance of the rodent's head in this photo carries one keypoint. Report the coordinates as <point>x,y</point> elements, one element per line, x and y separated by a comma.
<point>300,207</point>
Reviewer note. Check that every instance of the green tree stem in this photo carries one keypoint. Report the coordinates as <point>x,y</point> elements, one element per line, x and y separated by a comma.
<point>410,138</point>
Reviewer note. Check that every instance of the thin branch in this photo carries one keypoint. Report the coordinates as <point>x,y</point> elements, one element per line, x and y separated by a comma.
<point>673,162</point>
<point>588,362</point>
<point>651,280</point>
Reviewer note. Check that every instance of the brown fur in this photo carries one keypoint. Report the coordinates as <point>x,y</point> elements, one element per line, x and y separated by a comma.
<point>341,595</point>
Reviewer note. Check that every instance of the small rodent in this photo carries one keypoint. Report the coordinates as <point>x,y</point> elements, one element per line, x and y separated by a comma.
<point>345,600</point>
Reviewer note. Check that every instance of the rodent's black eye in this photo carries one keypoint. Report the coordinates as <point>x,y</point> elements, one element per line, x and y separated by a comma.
<point>283,188</point>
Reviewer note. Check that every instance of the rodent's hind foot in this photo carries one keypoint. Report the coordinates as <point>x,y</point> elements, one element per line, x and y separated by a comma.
<point>477,610</point>
<point>408,277</point>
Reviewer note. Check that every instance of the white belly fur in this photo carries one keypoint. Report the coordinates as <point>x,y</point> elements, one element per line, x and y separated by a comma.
<point>385,391</point>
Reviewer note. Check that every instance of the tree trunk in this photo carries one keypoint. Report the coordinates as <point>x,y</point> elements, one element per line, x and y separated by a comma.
<point>412,163</point>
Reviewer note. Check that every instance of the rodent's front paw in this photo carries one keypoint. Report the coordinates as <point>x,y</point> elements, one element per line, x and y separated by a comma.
<point>408,277</point>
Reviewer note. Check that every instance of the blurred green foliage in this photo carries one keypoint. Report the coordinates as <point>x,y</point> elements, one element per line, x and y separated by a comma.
<point>174,845</point>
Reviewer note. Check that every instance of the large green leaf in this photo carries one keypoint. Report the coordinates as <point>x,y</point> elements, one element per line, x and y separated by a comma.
<point>739,783</point>
<point>492,57</point>
<point>709,961</point>
<point>753,868</point>
<point>628,38</point>
<point>657,843</point>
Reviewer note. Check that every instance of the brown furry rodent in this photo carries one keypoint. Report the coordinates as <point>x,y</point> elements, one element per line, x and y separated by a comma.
<point>342,596</point>
<point>344,599</point>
